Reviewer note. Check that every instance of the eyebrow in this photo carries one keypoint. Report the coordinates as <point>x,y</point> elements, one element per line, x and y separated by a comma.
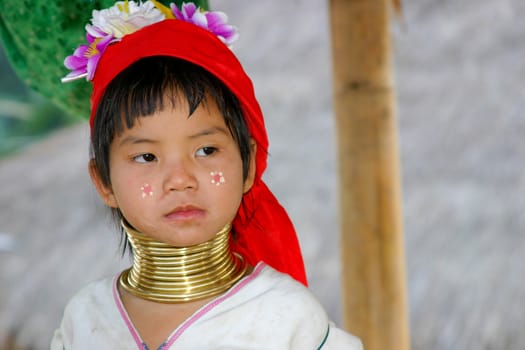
<point>135,140</point>
<point>210,131</point>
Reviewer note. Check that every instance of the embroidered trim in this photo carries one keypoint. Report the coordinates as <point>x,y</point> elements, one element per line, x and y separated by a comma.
<point>161,347</point>
<point>325,338</point>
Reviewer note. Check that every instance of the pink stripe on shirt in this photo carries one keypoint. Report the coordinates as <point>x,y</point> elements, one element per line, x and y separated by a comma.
<point>210,306</point>
<point>125,316</point>
<point>190,321</point>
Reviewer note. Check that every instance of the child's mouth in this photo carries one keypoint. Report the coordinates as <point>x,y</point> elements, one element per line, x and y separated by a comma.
<point>185,213</point>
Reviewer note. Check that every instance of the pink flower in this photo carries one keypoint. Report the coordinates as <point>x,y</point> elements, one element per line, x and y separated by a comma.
<point>213,21</point>
<point>84,60</point>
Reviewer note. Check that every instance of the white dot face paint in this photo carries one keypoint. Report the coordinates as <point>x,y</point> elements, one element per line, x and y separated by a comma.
<point>217,178</point>
<point>147,190</point>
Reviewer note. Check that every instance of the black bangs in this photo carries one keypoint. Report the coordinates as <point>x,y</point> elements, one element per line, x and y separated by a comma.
<point>144,88</point>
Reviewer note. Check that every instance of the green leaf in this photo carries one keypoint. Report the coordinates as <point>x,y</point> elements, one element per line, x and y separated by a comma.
<point>38,34</point>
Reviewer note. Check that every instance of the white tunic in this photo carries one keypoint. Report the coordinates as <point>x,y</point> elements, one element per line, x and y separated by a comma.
<point>265,310</point>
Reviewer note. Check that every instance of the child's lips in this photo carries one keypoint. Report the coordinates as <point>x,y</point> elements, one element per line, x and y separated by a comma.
<point>185,213</point>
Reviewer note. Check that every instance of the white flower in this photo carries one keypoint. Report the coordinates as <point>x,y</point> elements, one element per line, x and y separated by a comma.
<point>126,17</point>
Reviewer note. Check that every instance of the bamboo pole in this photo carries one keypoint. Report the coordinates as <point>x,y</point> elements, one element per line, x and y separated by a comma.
<point>374,292</point>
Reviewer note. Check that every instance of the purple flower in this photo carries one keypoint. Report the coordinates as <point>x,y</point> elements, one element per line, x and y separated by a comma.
<point>84,60</point>
<point>213,21</point>
<point>125,17</point>
<point>109,25</point>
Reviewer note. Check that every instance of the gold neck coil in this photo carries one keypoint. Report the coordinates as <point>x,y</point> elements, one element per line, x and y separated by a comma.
<point>168,274</point>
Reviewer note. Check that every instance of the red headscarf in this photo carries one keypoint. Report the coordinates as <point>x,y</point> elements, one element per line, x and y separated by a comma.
<point>264,230</point>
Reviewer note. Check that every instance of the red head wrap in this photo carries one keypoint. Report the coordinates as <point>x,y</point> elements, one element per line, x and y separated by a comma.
<point>265,232</point>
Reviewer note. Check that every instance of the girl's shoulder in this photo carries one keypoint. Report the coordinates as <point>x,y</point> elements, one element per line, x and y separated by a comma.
<point>275,306</point>
<point>297,302</point>
<point>97,293</point>
<point>91,319</point>
<point>280,288</point>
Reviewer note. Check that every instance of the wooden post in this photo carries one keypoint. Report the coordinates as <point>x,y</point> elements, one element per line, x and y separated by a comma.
<point>374,292</point>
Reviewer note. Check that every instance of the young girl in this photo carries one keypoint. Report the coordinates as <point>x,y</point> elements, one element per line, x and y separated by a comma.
<point>178,150</point>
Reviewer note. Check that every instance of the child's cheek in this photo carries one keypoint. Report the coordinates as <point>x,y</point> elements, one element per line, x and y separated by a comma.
<point>146,190</point>
<point>217,178</point>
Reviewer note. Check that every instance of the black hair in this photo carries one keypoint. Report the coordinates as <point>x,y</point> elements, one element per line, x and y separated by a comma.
<point>144,88</point>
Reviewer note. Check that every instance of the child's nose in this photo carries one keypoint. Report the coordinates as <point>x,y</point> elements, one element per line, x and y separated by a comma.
<point>179,176</point>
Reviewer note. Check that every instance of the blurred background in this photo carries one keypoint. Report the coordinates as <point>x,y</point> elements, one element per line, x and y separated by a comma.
<point>460,79</point>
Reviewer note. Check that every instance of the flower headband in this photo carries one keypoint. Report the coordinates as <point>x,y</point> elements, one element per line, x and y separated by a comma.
<point>126,17</point>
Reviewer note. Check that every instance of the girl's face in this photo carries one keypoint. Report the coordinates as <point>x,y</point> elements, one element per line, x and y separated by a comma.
<point>175,178</point>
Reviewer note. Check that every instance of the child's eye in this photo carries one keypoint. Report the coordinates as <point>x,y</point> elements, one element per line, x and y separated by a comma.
<point>206,151</point>
<point>145,158</point>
